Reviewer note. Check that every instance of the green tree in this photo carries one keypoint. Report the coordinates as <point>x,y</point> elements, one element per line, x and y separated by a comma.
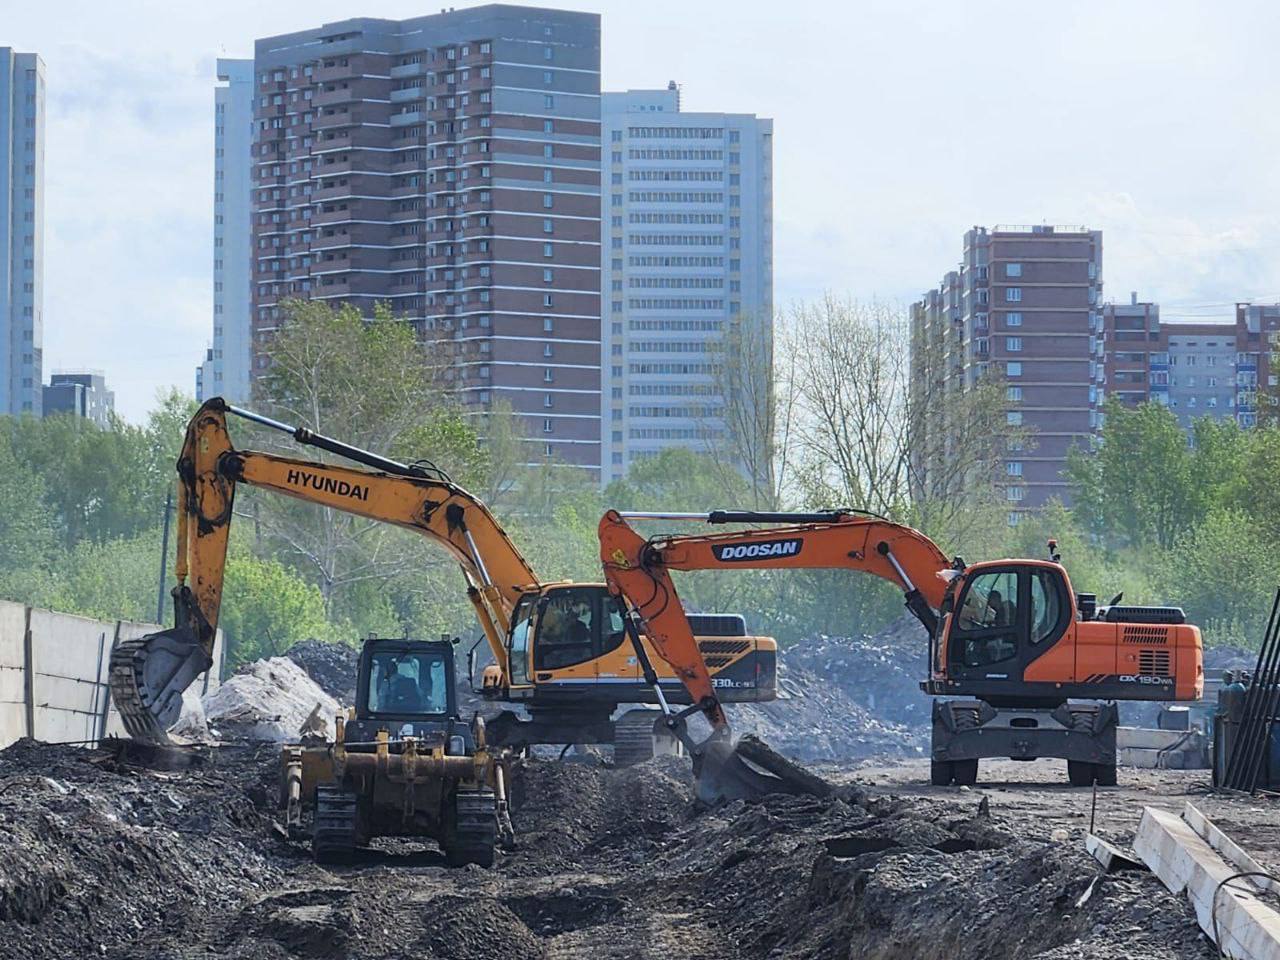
<point>1224,573</point>
<point>374,383</point>
<point>266,608</point>
<point>1139,486</point>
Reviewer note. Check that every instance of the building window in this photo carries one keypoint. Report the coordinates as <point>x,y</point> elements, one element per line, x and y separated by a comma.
<point>1013,269</point>
<point>1013,319</point>
<point>547,324</point>
<point>547,376</point>
<point>1013,393</point>
<point>547,200</point>
<point>1013,368</point>
<point>546,249</point>
<point>1013,344</point>
<point>1014,468</point>
<point>1016,493</point>
<point>1013,418</point>
<point>546,400</point>
<point>548,102</point>
<point>547,300</point>
<point>1013,294</point>
<point>546,226</point>
<point>546,426</point>
<point>547,275</point>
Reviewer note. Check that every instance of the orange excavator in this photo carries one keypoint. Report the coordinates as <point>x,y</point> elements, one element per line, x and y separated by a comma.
<point>1009,636</point>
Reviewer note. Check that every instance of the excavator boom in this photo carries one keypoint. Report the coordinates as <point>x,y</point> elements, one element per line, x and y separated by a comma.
<point>148,675</point>
<point>637,569</point>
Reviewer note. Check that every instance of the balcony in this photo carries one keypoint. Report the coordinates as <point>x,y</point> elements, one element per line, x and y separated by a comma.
<point>407,70</point>
<point>407,94</point>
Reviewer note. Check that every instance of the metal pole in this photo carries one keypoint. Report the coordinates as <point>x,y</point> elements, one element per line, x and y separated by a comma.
<point>164,556</point>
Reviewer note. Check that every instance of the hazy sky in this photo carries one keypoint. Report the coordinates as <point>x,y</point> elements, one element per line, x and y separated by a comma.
<point>897,125</point>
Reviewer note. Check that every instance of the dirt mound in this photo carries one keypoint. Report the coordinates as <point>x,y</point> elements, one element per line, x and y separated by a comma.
<point>331,665</point>
<point>164,853</point>
<point>847,698</point>
<point>99,848</point>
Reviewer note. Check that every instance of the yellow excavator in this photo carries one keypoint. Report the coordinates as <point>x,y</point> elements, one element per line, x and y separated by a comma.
<point>561,651</point>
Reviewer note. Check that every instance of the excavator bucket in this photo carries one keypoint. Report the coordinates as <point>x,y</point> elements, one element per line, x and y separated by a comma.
<point>148,676</point>
<point>746,770</point>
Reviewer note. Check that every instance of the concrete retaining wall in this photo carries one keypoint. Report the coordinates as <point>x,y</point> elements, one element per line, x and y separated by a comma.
<point>53,674</point>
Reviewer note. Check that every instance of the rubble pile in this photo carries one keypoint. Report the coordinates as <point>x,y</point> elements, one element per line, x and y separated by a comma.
<point>124,853</point>
<point>270,700</point>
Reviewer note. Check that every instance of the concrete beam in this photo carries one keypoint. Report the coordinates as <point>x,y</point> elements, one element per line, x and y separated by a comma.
<point>1248,927</point>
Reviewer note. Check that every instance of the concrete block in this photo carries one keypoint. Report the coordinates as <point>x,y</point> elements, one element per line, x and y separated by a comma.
<point>13,723</point>
<point>1250,930</point>
<point>1147,738</point>
<point>13,626</point>
<point>1108,855</point>
<point>1227,848</point>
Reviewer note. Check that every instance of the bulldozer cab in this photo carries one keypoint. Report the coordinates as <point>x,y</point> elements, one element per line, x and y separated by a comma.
<point>406,680</point>
<point>1003,615</point>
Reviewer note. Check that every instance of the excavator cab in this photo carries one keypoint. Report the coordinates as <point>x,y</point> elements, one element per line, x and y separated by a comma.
<point>1004,615</point>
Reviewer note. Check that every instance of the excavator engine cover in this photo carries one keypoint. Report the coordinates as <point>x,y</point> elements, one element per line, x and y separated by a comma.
<point>148,676</point>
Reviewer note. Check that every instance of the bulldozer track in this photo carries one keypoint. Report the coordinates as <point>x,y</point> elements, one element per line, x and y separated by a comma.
<point>473,831</point>
<point>333,835</point>
<point>131,697</point>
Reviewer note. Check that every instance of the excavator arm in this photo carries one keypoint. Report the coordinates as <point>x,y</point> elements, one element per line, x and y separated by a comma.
<point>637,570</point>
<point>148,675</point>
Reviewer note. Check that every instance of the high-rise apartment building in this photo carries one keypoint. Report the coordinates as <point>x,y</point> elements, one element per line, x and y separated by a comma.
<point>687,242</point>
<point>225,371</point>
<point>1214,368</point>
<point>448,166</point>
<point>1026,304</point>
<point>21,231</point>
<point>81,394</point>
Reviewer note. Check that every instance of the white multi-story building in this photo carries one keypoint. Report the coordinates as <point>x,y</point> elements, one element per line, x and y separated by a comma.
<point>687,251</point>
<point>226,368</point>
<point>21,231</point>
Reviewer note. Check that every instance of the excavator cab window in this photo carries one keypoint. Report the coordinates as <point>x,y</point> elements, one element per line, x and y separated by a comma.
<point>986,623</point>
<point>568,628</point>
<point>518,641</point>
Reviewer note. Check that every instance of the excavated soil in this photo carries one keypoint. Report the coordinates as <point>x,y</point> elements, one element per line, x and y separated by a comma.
<point>128,854</point>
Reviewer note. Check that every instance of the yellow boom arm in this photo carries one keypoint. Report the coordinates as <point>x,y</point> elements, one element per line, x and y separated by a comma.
<point>149,675</point>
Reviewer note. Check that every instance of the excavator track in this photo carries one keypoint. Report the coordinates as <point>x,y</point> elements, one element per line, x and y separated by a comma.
<point>333,833</point>
<point>472,831</point>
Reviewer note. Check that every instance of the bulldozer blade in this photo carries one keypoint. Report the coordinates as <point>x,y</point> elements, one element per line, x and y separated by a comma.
<point>148,676</point>
<point>750,769</point>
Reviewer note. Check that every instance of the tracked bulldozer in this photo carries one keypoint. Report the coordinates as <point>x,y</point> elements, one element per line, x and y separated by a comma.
<point>403,763</point>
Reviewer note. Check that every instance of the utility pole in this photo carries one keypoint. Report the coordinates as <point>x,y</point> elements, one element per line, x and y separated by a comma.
<point>164,555</point>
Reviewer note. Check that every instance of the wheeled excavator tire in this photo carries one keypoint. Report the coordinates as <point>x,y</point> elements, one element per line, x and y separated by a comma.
<point>940,773</point>
<point>334,828</point>
<point>1081,773</point>
<point>471,828</point>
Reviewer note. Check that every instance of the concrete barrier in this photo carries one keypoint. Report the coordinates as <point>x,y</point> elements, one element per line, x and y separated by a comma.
<point>53,674</point>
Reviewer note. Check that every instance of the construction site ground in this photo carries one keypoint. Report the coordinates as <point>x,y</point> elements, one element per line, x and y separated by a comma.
<point>118,853</point>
